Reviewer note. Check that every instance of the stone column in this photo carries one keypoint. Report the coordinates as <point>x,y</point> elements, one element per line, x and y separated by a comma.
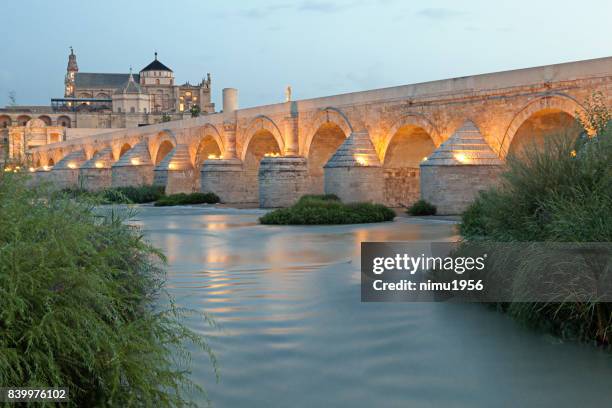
<point>175,172</point>
<point>134,168</point>
<point>291,132</point>
<point>96,173</point>
<point>65,173</point>
<point>453,175</point>
<point>354,172</point>
<point>224,177</point>
<point>229,130</point>
<point>282,181</point>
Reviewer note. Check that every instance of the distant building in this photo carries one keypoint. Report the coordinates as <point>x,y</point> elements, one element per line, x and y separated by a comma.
<point>96,101</point>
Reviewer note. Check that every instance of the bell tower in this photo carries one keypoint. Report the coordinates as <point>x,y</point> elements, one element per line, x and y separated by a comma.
<point>71,72</point>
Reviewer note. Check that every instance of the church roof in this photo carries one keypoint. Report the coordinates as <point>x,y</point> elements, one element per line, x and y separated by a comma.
<point>102,81</point>
<point>156,66</point>
<point>129,87</point>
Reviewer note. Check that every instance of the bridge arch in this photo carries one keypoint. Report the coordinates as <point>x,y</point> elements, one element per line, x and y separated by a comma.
<point>64,121</point>
<point>160,145</point>
<point>208,142</point>
<point>409,141</point>
<point>263,138</point>
<point>22,120</point>
<point>258,126</point>
<point>415,121</point>
<point>46,120</point>
<point>325,116</point>
<point>5,121</point>
<point>548,108</point>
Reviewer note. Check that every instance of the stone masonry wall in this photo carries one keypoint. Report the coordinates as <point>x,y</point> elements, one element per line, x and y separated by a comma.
<point>401,186</point>
<point>355,184</point>
<point>453,188</point>
<point>123,176</point>
<point>282,181</point>
<point>96,179</point>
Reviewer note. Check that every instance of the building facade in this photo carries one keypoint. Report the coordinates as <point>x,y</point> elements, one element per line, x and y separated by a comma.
<point>94,101</point>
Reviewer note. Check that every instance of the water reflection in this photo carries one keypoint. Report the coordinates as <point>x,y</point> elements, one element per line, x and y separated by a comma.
<point>295,333</point>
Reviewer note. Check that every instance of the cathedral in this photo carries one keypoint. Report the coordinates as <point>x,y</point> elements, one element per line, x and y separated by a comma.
<point>152,90</point>
<point>95,102</point>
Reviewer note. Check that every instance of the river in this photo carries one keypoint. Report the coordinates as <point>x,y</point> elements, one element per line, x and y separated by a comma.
<point>293,332</point>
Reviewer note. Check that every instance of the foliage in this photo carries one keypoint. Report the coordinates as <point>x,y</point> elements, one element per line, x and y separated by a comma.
<point>82,305</point>
<point>117,195</point>
<point>12,97</point>
<point>422,207</point>
<point>195,111</point>
<point>166,117</point>
<point>561,193</point>
<point>312,210</point>
<point>185,199</point>
<point>138,195</point>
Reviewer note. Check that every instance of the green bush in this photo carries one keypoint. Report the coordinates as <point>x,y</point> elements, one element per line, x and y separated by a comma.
<point>422,207</point>
<point>82,305</point>
<point>186,199</point>
<point>561,193</point>
<point>315,210</point>
<point>116,195</point>
<point>138,195</point>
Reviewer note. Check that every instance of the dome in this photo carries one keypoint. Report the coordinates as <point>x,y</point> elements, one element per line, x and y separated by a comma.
<point>156,66</point>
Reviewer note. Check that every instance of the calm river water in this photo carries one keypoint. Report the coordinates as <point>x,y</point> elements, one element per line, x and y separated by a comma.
<point>295,334</point>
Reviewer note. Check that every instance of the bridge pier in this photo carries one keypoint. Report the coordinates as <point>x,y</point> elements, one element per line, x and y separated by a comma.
<point>224,177</point>
<point>96,173</point>
<point>134,168</point>
<point>282,181</point>
<point>354,172</point>
<point>458,170</point>
<point>65,174</point>
<point>176,173</point>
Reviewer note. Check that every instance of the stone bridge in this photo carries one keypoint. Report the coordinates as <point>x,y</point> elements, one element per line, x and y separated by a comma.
<point>443,140</point>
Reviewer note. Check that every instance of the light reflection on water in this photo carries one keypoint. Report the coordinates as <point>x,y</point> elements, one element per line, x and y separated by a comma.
<point>294,333</point>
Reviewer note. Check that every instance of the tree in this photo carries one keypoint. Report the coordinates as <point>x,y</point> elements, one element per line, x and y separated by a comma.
<point>12,96</point>
<point>166,117</point>
<point>195,111</point>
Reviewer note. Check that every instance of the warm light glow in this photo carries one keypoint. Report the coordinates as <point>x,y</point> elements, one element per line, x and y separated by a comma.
<point>361,159</point>
<point>72,165</point>
<point>46,168</point>
<point>135,161</point>
<point>573,153</point>
<point>212,156</point>
<point>272,154</point>
<point>424,159</point>
<point>99,165</point>
<point>32,169</point>
<point>462,158</point>
<point>171,166</point>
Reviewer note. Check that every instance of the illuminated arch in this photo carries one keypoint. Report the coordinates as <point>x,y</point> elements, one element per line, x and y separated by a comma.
<point>259,123</point>
<point>557,102</point>
<point>327,115</point>
<point>415,120</point>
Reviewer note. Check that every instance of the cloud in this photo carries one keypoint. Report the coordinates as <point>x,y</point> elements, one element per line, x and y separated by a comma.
<point>438,13</point>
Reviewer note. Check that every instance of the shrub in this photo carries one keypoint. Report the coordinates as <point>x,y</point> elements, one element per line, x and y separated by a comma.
<point>186,199</point>
<point>313,210</point>
<point>561,193</point>
<point>422,207</point>
<point>82,305</point>
<point>138,195</point>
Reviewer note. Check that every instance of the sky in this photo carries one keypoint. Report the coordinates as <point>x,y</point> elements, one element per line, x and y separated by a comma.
<point>319,47</point>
